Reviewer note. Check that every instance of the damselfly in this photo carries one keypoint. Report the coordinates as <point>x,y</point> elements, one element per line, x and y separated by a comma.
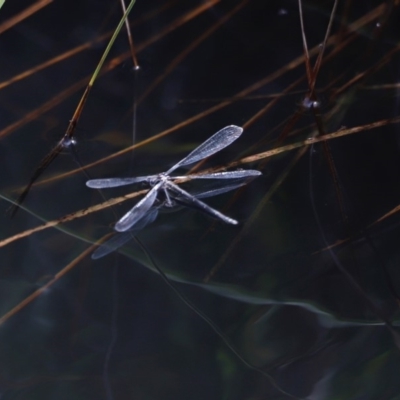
<point>164,181</point>
<point>120,238</point>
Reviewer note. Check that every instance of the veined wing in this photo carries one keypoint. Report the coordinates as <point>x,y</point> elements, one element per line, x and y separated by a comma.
<point>247,173</point>
<point>138,211</point>
<point>218,191</point>
<point>115,182</point>
<point>119,239</point>
<point>217,187</point>
<point>111,245</point>
<point>180,200</point>
<point>215,143</point>
<point>187,199</point>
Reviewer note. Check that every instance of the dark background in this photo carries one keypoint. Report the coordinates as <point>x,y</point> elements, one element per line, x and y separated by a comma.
<point>322,324</point>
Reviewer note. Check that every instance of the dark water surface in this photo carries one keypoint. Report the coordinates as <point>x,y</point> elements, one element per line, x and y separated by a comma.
<point>322,324</point>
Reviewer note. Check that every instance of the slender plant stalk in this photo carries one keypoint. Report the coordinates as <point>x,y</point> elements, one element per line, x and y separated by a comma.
<point>68,139</point>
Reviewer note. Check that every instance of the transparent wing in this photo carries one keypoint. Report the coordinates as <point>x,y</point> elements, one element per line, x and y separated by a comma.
<point>180,200</point>
<point>138,211</point>
<point>215,143</point>
<point>115,182</point>
<point>119,239</point>
<point>186,198</point>
<point>215,188</point>
<point>111,245</point>
<point>248,173</point>
<point>216,192</point>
